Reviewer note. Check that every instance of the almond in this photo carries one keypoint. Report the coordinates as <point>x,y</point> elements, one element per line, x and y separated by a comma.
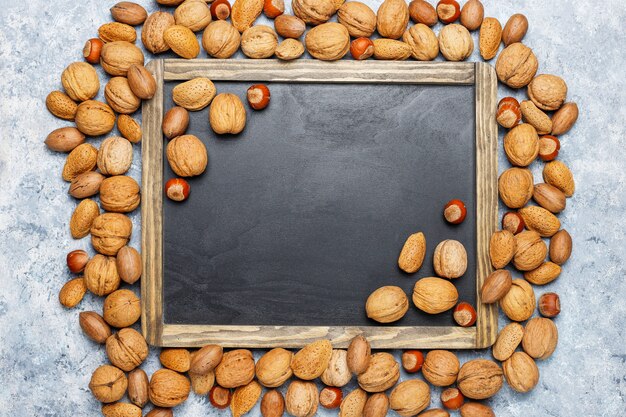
<point>515,187</point>
<point>86,184</point>
<point>141,82</point>
<point>82,218</point>
<point>540,220</point>
<point>560,247</point>
<point>530,250</point>
<point>549,197</point>
<point>508,340</point>
<point>540,338</point>
<point>206,359</point>
<point>72,292</point>
<point>544,274</point>
<point>410,397</point>
<point>138,387</point>
<point>353,404</point>
<point>129,128</point>
<point>387,304</point>
<point>501,248</point>
<point>391,49</point>
<point>245,12</point>
<point>64,139</point>
<point>235,369</point>
<point>61,105</point>
<point>537,118</point>
<point>515,29</point>
<point>202,384</point>
<point>194,94</point>
<point>557,174</point>
<point>244,398</point>
<point>497,284</point>
<point>489,38</point>
<point>312,360</point>
<point>519,303</point>
<point>116,31</point>
<point>129,13</point>
<point>94,326</point>
<point>381,374</point>
<point>358,355</point>
<point>121,409</point>
<point>434,295</point>
<point>153,29</point>
<point>423,42</point>
<point>182,41</point>
<point>274,368</point>
<point>413,252</point>
<point>564,118</point>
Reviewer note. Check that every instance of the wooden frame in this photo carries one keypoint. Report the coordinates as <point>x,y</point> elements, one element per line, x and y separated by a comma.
<point>160,334</point>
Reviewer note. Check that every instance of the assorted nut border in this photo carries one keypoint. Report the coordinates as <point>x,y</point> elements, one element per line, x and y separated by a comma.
<point>533,132</point>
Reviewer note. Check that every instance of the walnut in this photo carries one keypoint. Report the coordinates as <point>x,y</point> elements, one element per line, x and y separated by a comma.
<point>358,18</point>
<point>117,57</point>
<point>220,39</point>
<point>392,18</point>
<point>119,194</point>
<point>127,349</point>
<point>108,384</point>
<point>540,338</point>
<point>122,308</point>
<point>548,92</point>
<point>521,145</point>
<point>450,259</point>
<point>110,232</point>
<point>519,303</point>
<point>313,12</point>
<point>440,367</point>
<point>274,367</point>
<point>120,96</point>
<point>423,42</point>
<point>187,155</point>
<point>168,388</point>
<point>381,374</point>
<point>259,41</point>
<point>101,275</point>
<point>479,379</point>
<point>227,114</point>
<point>455,42</point>
<point>328,42</point>
<point>80,81</point>
<point>521,372</point>
<point>115,156</point>
<point>235,369</point>
<point>337,374</point>
<point>516,65</point>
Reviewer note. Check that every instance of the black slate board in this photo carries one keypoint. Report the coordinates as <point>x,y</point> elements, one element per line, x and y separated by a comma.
<point>299,218</point>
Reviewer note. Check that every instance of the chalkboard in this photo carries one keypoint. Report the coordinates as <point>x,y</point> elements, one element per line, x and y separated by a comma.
<point>301,216</point>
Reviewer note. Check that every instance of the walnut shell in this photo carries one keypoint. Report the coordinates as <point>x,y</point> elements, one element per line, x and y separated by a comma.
<point>122,308</point>
<point>168,388</point>
<point>108,384</point>
<point>120,96</point>
<point>101,275</point>
<point>313,12</point>
<point>193,14</point>
<point>515,187</point>
<point>82,159</point>
<point>337,374</point>
<point>235,369</point>
<point>521,372</point>
<point>392,18</point>
<point>440,368</point>
<point>194,94</point>
<point>519,303</point>
<point>289,49</point>
<point>434,295</point>
<point>455,42</point>
<point>220,39</point>
<point>328,42</point>
<point>119,194</point>
<point>187,156</point>
<point>259,41</point>
<point>423,42</point>
<point>358,18</point>
<point>530,250</point>
<point>80,81</point>
<point>548,92</point>
<point>479,379</point>
<point>82,218</point>
<point>516,65</point>
<point>117,57</point>
<point>450,259</point>
<point>381,374</point>
<point>110,232</point>
<point>302,399</point>
<point>387,304</point>
<point>312,360</point>
<point>521,145</point>
<point>274,367</point>
<point>540,338</point>
<point>153,29</point>
<point>176,359</point>
<point>115,156</point>
<point>94,118</point>
<point>410,397</point>
<point>127,349</point>
<point>227,114</point>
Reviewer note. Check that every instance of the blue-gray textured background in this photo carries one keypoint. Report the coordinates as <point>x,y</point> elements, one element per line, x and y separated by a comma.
<point>46,362</point>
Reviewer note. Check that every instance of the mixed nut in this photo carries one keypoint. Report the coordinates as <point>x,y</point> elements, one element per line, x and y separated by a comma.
<point>233,379</point>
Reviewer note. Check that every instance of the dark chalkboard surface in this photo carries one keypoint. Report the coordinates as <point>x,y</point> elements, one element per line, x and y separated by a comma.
<point>299,218</point>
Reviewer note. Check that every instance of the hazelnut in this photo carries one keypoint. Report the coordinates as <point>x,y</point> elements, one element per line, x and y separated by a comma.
<point>258,96</point>
<point>549,147</point>
<point>76,261</point>
<point>509,113</point>
<point>177,189</point>
<point>448,11</point>
<point>330,397</point>
<point>122,308</point>
<point>220,397</point>
<point>361,48</point>
<point>454,211</point>
<point>412,361</point>
<point>220,9</point>
<point>440,368</point>
<point>464,315</point>
<point>92,50</point>
<point>452,398</point>
<point>127,349</point>
<point>108,384</point>
<point>513,222</point>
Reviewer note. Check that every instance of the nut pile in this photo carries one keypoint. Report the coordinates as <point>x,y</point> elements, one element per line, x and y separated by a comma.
<point>97,177</point>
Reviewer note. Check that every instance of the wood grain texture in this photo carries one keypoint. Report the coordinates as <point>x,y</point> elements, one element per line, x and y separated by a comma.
<point>486,194</point>
<point>151,211</point>
<point>160,334</point>
<point>319,71</point>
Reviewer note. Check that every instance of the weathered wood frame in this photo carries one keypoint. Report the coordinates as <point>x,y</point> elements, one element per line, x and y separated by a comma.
<point>389,337</point>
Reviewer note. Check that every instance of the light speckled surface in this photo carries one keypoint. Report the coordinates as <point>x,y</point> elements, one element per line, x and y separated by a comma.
<point>45,362</point>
